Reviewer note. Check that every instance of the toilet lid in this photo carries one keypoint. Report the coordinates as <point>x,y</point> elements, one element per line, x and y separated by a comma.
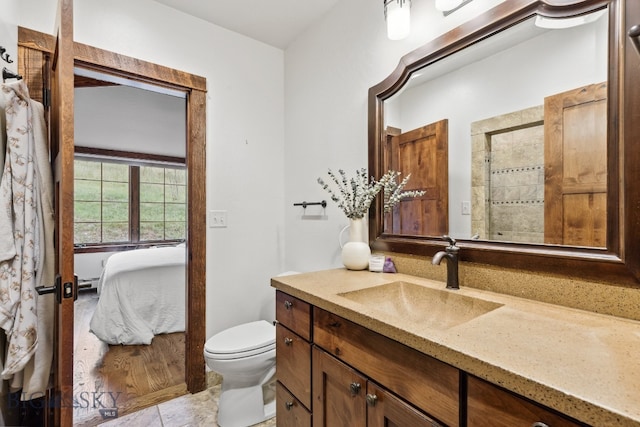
<point>242,338</point>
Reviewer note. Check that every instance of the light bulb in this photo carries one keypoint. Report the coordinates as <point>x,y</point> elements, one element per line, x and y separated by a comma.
<point>398,19</point>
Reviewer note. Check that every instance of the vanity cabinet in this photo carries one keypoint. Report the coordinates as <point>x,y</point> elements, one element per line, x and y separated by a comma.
<point>430,385</point>
<point>293,361</point>
<point>488,404</point>
<point>333,372</point>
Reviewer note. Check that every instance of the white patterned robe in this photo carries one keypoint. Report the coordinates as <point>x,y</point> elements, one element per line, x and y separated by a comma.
<point>19,242</point>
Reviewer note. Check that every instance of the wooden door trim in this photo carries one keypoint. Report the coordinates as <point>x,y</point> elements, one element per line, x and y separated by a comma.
<point>115,63</point>
<point>195,88</point>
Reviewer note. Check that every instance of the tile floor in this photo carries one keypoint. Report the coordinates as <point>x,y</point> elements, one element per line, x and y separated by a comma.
<point>192,410</point>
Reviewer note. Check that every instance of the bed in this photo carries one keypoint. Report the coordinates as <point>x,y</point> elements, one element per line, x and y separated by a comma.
<point>141,294</point>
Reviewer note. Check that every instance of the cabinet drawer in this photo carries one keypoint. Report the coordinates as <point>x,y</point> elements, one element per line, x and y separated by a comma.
<point>488,404</point>
<point>289,410</point>
<point>431,385</point>
<point>293,313</point>
<point>293,364</point>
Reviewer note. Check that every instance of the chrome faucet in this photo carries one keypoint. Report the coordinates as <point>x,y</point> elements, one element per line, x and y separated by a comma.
<point>451,253</point>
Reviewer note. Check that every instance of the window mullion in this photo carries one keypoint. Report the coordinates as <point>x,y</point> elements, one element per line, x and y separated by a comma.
<point>134,203</point>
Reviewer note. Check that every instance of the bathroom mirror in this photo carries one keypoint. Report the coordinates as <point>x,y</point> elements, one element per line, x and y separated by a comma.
<point>534,130</point>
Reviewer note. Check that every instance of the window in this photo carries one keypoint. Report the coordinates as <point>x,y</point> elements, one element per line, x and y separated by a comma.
<point>117,202</point>
<point>162,203</point>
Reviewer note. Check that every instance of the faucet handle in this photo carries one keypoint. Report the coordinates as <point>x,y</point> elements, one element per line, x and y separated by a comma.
<point>451,240</point>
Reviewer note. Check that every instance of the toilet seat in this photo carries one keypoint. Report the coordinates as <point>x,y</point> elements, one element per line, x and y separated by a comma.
<point>241,341</point>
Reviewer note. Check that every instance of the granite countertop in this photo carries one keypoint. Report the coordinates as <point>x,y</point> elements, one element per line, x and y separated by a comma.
<point>580,363</point>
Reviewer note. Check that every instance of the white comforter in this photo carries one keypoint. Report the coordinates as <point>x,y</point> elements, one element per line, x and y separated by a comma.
<point>142,294</point>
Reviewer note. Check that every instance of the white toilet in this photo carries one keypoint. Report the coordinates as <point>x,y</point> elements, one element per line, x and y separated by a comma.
<point>245,356</point>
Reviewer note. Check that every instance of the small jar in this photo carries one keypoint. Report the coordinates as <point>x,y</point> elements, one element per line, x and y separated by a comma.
<point>376,263</point>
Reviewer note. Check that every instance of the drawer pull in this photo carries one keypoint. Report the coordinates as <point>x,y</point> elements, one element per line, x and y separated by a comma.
<point>288,304</point>
<point>372,399</point>
<point>288,341</point>
<point>288,405</point>
<point>539,424</point>
<point>355,388</point>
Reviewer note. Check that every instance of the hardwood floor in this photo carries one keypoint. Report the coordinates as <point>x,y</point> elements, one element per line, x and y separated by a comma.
<point>126,378</point>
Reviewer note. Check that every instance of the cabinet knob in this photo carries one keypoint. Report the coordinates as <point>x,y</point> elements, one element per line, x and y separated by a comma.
<point>355,388</point>
<point>288,405</point>
<point>372,399</point>
<point>539,424</point>
<point>288,341</point>
<point>288,304</point>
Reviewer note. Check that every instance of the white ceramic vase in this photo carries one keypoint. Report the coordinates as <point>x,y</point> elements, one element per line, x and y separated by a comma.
<point>356,252</point>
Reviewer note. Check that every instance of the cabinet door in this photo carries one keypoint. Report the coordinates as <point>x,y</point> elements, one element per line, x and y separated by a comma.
<point>386,410</point>
<point>338,393</point>
<point>491,405</point>
<point>293,364</point>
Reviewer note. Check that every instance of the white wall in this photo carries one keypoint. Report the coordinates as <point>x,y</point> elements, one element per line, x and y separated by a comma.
<point>9,35</point>
<point>328,72</point>
<point>245,134</point>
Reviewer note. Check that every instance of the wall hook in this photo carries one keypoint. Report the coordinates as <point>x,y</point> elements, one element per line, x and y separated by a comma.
<point>4,55</point>
<point>8,74</point>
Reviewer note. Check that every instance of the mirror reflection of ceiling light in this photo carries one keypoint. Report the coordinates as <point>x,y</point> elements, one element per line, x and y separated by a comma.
<point>398,16</point>
<point>447,5</point>
<point>574,21</point>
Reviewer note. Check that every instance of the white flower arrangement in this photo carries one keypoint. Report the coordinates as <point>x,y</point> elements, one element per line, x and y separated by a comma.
<point>355,195</point>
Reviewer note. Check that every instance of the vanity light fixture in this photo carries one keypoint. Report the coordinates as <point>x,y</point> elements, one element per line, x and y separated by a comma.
<point>398,16</point>
<point>574,21</point>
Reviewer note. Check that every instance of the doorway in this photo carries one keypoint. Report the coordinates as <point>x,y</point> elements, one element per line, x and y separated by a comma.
<point>130,213</point>
<point>36,50</point>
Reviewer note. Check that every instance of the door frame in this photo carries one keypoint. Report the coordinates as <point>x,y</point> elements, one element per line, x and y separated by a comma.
<point>195,89</point>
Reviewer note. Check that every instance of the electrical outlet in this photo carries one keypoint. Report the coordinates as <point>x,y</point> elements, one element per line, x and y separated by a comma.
<point>466,208</point>
<point>217,219</point>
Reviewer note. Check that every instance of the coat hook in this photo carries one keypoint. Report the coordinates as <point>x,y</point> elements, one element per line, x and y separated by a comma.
<point>5,56</point>
<point>8,74</point>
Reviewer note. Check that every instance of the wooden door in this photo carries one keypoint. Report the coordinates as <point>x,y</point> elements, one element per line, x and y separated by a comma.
<point>575,195</point>
<point>338,393</point>
<point>62,147</point>
<point>386,410</point>
<point>423,153</point>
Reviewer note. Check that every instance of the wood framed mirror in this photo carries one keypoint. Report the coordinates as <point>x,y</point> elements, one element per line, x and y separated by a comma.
<point>607,249</point>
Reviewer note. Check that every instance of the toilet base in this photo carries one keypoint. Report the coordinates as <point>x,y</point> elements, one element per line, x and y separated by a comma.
<point>243,407</point>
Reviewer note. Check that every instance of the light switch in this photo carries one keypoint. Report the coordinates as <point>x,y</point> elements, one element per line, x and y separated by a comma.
<point>217,219</point>
<point>466,208</point>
